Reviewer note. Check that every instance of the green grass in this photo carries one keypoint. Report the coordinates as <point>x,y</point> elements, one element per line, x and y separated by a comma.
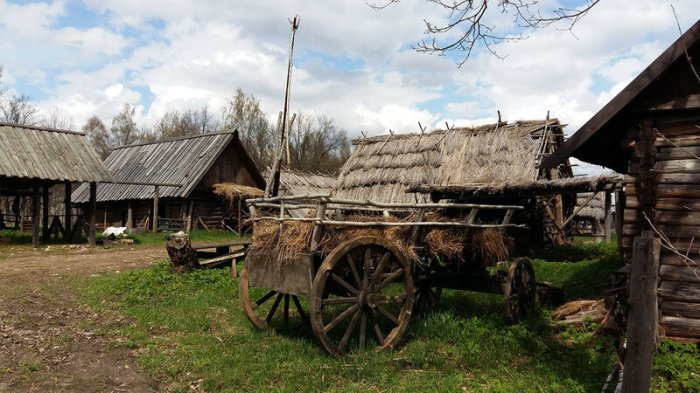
<point>190,327</point>
<point>16,237</point>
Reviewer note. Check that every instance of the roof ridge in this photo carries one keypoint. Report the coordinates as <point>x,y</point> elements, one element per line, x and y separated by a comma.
<point>39,128</point>
<point>182,138</point>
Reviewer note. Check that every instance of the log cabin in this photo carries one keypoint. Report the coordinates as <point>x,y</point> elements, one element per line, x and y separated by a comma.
<point>192,165</point>
<point>650,132</point>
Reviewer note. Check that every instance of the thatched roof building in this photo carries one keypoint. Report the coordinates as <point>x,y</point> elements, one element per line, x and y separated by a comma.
<point>383,168</point>
<point>594,209</point>
<point>294,182</point>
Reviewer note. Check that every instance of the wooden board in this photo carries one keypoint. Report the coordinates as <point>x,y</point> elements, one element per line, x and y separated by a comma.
<point>293,277</point>
<point>680,291</point>
<point>680,309</point>
<point>681,327</point>
<point>680,273</point>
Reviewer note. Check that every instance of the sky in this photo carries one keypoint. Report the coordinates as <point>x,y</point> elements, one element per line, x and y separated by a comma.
<point>351,62</point>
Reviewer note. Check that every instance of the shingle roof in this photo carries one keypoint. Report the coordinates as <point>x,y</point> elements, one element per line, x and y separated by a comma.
<point>175,161</point>
<point>47,154</point>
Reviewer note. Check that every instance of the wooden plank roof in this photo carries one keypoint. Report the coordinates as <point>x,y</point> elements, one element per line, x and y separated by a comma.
<point>50,155</point>
<point>597,141</point>
<point>182,161</point>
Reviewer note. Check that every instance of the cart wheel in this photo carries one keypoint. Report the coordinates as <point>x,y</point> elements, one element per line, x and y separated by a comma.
<point>367,282</point>
<point>520,290</point>
<point>427,298</point>
<point>268,304</point>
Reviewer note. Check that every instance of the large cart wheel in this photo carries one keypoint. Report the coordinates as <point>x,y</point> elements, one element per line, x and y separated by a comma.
<point>520,290</point>
<point>362,296</point>
<point>268,305</point>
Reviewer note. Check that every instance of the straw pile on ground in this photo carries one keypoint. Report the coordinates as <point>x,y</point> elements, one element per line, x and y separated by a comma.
<point>487,245</point>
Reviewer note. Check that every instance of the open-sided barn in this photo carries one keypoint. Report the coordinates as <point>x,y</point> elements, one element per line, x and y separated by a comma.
<point>650,131</point>
<point>194,163</point>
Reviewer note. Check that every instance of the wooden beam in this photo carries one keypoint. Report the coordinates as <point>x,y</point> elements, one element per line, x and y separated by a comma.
<point>240,219</point>
<point>92,208</point>
<point>69,214</point>
<point>190,210</point>
<point>45,213</point>
<point>578,209</point>
<point>643,319</point>
<point>129,215</point>
<point>35,216</point>
<point>606,221</point>
<point>156,198</point>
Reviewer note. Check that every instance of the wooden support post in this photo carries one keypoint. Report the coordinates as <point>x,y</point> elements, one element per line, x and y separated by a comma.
<point>190,210</point>
<point>35,216</point>
<point>69,214</point>
<point>129,216</point>
<point>93,212</point>
<point>316,234</point>
<point>619,220</point>
<point>606,222</point>
<point>104,220</point>
<point>643,319</point>
<point>416,229</point>
<point>240,225</point>
<point>156,196</point>
<point>45,213</point>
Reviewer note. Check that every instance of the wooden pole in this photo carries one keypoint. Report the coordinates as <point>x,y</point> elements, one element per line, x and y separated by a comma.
<point>93,212</point>
<point>240,219</point>
<point>129,216</point>
<point>35,216</point>
<point>69,213</point>
<point>190,210</point>
<point>156,196</point>
<point>619,220</point>
<point>643,318</point>
<point>45,213</point>
<point>606,222</point>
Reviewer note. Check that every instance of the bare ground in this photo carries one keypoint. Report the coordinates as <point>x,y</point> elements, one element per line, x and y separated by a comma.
<point>49,340</point>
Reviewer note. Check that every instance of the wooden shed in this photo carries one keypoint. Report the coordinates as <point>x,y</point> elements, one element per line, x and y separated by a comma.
<point>384,168</point>
<point>32,159</point>
<point>195,163</point>
<point>650,132</point>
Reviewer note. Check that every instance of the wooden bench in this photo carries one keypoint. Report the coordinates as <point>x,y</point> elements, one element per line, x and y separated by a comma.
<point>217,254</point>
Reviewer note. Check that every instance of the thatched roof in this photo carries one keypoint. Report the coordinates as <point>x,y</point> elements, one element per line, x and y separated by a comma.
<point>48,155</point>
<point>232,191</point>
<point>298,183</point>
<point>542,186</point>
<point>382,168</point>
<point>595,208</point>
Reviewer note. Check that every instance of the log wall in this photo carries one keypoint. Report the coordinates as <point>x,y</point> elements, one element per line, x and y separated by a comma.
<point>675,211</point>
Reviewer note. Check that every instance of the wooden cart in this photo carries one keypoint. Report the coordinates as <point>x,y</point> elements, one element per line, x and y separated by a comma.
<point>362,293</point>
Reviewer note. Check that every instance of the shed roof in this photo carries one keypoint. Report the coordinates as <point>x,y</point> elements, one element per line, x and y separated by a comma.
<point>665,83</point>
<point>294,182</point>
<point>383,168</point>
<point>182,161</point>
<point>49,155</point>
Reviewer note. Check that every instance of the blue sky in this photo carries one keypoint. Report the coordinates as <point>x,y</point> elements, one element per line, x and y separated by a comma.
<point>352,63</point>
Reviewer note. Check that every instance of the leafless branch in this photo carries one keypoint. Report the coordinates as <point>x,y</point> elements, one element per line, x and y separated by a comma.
<point>666,243</point>
<point>685,48</point>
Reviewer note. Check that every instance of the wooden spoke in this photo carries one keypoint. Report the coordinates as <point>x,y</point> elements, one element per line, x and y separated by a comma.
<point>344,283</point>
<point>393,276</point>
<point>263,299</point>
<point>298,305</point>
<point>380,268</point>
<point>274,308</point>
<point>353,270</point>
<point>348,331</point>
<point>389,298</point>
<point>286,310</point>
<point>340,318</point>
<point>520,290</point>
<point>363,331</point>
<point>377,330</point>
<point>367,263</point>
<point>339,300</point>
<point>387,314</point>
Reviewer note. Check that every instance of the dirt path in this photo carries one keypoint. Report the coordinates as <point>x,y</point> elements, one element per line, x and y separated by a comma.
<point>49,340</point>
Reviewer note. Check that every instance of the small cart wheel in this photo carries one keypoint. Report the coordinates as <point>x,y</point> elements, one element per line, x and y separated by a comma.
<point>520,290</point>
<point>427,298</point>
<point>262,311</point>
<point>363,284</point>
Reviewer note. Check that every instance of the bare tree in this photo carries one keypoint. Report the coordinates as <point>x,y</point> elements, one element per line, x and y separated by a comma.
<point>243,113</point>
<point>469,22</point>
<point>58,118</point>
<point>124,130</point>
<point>97,133</point>
<point>18,110</point>
<point>318,144</point>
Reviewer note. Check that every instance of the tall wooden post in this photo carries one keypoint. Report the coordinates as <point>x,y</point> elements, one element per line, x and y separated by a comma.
<point>240,218</point>
<point>45,213</point>
<point>69,214</point>
<point>35,216</point>
<point>93,212</point>
<point>190,211</point>
<point>129,216</point>
<point>156,192</point>
<point>619,220</point>
<point>643,319</point>
<point>606,222</point>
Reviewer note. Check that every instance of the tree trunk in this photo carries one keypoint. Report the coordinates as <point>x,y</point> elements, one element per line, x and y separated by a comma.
<point>183,258</point>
